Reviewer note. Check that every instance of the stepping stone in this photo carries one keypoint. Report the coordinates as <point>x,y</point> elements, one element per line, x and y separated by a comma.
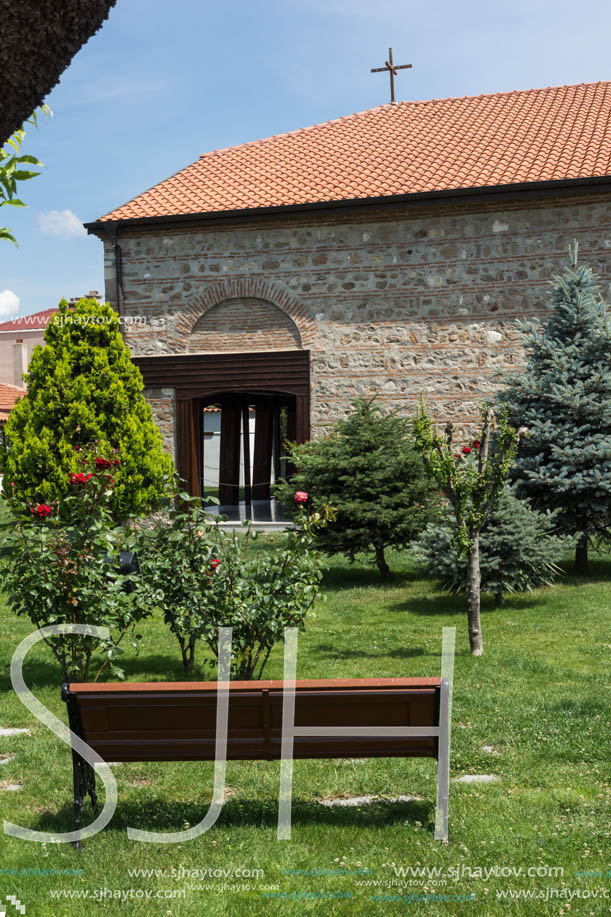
<point>11,787</point>
<point>491,750</point>
<point>477,778</point>
<point>7,759</point>
<point>364,800</point>
<point>6,731</point>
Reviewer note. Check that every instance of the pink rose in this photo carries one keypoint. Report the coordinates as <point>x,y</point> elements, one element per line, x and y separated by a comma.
<point>301,497</point>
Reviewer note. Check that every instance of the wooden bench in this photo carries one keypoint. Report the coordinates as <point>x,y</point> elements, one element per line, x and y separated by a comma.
<point>176,721</point>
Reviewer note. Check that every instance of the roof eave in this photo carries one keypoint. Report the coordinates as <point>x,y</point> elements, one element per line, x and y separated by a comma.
<point>517,191</point>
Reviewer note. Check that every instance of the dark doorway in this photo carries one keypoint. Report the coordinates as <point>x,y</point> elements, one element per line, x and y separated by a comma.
<point>242,444</point>
<point>275,385</point>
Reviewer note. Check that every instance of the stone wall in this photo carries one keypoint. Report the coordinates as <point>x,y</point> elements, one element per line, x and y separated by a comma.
<point>399,302</point>
<point>163,405</point>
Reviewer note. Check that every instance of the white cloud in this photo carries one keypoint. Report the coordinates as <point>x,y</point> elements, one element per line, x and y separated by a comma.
<point>61,223</point>
<point>9,303</point>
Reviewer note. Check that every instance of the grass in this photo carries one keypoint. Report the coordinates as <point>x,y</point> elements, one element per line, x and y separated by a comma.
<point>539,697</point>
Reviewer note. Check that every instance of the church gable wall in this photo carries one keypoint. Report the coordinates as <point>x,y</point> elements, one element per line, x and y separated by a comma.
<point>397,302</point>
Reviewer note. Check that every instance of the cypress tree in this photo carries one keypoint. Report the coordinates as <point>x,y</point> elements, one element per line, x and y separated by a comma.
<point>84,390</point>
<point>563,398</point>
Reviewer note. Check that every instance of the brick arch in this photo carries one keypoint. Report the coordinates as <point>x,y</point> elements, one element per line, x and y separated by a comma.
<point>248,288</point>
<point>241,325</point>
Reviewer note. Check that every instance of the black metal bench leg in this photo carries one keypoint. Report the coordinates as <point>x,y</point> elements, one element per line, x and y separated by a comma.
<point>90,780</point>
<point>79,791</point>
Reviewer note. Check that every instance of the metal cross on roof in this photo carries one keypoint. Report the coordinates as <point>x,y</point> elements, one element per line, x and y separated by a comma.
<point>392,69</point>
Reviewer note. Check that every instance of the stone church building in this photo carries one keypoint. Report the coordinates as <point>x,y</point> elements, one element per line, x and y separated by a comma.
<point>387,252</point>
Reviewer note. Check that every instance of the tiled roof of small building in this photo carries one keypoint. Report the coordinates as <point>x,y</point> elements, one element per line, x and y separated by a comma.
<point>37,321</point>
<point>8,396</point>
<point>480,141</point>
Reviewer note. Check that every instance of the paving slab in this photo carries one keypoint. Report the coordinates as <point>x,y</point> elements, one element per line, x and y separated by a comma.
<point>477,778</point>
<point>364,800</point>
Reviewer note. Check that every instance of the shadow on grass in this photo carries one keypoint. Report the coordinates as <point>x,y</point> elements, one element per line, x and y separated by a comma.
<point>441,604</point>
<point>36,675</point>
<point>599,572</point>
<point>154,814</point>
<point>47,674</point>
<point>359,577</point>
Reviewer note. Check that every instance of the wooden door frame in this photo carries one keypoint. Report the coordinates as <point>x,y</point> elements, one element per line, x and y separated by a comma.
<point>197,376</point>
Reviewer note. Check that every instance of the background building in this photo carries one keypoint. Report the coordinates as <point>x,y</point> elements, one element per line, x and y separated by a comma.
<point>389,252</point>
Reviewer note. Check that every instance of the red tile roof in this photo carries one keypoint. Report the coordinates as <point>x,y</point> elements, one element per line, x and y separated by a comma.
<point>472,142</point>
<point>8,396</point>
<point>38,321</point>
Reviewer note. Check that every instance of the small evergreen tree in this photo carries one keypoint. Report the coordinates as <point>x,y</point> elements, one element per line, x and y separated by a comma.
<point>84,390</point>
<point>372,475</point>
<point>517,550</point>
<point>563,397</point>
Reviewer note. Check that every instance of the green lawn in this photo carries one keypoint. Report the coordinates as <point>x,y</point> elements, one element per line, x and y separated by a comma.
<point>539,697</point>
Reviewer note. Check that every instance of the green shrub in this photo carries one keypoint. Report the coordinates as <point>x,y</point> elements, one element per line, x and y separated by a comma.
<point>61,567</point>
<point>204,579</point>
<point>370,471</point>
<point>517,550</point>
<point>83,389</point>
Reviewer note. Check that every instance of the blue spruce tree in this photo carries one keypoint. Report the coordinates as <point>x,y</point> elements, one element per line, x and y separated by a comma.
<point>563,398</point>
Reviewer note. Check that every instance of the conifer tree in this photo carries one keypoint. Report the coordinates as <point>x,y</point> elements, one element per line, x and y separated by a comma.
<point>84,391</point>
<point>563,398</point>
<point>517,550</point>
<point>372,475</point>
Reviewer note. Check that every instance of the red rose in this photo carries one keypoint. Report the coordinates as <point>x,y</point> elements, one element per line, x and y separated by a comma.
<point>301,496</point>
<point>476,443</point>
<point>101,464</point>
<point>77,448</point>
<point>78,478</point>
<point>41,510</point>
<point>214,563</point>
<point>116,462</point>
<point>466,450</point>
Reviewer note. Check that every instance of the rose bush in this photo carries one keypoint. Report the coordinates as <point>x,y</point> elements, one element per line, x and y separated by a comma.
<point>204,578</point>
<point>59,566</point>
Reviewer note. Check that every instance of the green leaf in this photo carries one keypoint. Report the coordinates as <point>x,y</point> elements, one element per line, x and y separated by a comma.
<point>23,175</point>
<point>5,234</point>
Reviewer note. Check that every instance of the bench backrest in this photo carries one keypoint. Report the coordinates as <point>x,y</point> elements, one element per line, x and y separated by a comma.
<point>176,721</point>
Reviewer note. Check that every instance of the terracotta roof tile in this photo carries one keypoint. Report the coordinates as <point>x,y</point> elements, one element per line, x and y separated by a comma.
<point>548,134</point>
<point>9,395</point>
<point>38,321</point>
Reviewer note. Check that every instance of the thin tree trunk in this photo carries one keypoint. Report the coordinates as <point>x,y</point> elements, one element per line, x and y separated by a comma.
<point>581,554</point>
<point>381,562</point>
<point>187,649</point>
<point>499,599</point>
<point>473,604</point>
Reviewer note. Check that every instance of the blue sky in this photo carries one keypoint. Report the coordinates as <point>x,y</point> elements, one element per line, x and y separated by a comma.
<point>162,82</point>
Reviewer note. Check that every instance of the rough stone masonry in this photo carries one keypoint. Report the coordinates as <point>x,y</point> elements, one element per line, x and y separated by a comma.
<point>397,302</point>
